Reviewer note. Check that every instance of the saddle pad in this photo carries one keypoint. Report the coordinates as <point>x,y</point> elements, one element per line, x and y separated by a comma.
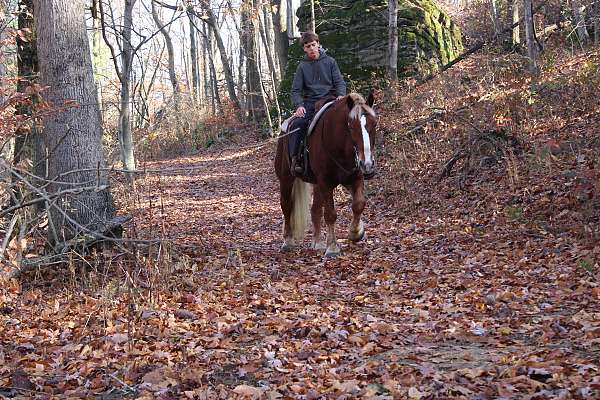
<point>285,125</point>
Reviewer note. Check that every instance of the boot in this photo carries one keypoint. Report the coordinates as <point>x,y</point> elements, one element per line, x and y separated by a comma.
<point>296,166</point>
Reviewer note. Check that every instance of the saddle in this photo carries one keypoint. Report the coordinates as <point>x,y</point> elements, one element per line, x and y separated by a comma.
<point>321,106</point>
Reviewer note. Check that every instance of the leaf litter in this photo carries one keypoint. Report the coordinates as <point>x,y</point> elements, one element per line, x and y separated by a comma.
<point>482,285</point>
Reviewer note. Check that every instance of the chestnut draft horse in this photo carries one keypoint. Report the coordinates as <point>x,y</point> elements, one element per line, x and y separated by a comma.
<point>340,152</point>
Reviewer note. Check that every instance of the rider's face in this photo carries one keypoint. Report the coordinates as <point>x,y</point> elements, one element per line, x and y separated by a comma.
<point>312,49</point>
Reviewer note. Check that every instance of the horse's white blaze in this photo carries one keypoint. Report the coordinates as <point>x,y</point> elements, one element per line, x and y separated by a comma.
<point>366,142</point>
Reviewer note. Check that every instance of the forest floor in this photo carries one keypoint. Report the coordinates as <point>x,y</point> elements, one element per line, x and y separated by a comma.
<point>484,284</point>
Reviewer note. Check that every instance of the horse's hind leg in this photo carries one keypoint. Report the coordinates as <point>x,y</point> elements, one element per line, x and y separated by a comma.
<point>356,232</point>
<point>285,199</point>
<point>333,249</point>
<point>316,213</point>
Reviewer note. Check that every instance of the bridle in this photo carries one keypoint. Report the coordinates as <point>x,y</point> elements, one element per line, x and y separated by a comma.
<point>356,166</point>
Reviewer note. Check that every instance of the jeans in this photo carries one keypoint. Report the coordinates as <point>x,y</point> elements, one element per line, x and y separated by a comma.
<point>298,128</point>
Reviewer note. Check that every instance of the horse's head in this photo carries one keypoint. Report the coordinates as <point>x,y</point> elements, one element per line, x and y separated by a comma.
<point>362,123</point>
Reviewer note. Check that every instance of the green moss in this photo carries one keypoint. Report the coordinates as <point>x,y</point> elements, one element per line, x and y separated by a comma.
<point>355,34</point>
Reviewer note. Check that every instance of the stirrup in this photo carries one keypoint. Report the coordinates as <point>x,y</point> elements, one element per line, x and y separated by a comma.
<point>296,167</point>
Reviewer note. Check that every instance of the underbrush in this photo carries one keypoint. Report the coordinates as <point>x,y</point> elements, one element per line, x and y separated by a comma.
<point>487,131</point>
<point>187,131</point>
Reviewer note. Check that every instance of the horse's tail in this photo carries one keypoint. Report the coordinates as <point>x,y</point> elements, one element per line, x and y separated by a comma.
<point>301,192</point>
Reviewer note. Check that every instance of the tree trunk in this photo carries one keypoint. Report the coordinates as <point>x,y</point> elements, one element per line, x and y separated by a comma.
<point>392,50</point>
<point>96,57</point>
<point>313,23</point>
<point>263,91</point>
<point>214,87</point>
<point>255,106</point>
<point>7,146</point>
<point>281,38</point>
<point>170,53</point>
<point>268,45</point>
<point>272,74</point>
<point>211,20</point>
<point>291,19</point>
<point>205,66</point>
<point>73,136</point>
<point>27,69</point>
<point>596,21</point>
<point>268,37</point>
<point>532,49</point>
<point>125,136</point>
<point>194,59</point>
<point>28,141</point>
<point>515,33</point>
<point>582,33</point>
<point>494,15</point>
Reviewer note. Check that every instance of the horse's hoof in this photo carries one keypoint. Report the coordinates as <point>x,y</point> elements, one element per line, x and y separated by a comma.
<point>332,253</point>
<point>319,246</point>
<point>287,246</point>
<point>359,235</point>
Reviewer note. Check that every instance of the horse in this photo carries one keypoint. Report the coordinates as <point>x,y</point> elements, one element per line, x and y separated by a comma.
<point>340,152</point>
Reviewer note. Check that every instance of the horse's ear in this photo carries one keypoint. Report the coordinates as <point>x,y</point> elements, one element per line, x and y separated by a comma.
<point>350,102</point>
<point>371,99</point>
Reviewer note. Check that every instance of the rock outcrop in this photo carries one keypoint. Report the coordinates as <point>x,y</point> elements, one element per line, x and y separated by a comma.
<point>355,33</point>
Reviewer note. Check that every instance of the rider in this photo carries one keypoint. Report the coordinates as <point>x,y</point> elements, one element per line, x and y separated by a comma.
<point>316,77</point>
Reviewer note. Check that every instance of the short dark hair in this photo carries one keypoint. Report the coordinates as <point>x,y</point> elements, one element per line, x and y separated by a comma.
<point>308,37</point>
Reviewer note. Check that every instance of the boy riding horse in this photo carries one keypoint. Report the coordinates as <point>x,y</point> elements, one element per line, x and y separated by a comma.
<point>316,77</point>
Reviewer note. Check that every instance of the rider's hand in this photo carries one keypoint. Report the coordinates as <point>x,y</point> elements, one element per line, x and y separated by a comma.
<point>300,112</point>
<point>340,97</point>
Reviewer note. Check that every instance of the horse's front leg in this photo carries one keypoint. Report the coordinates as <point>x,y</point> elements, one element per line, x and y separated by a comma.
<point>333,249</point>
<point>356,232</point>
<point>316,213</point>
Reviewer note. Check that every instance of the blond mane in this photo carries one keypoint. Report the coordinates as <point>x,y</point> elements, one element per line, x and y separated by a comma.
<point>359,105</point>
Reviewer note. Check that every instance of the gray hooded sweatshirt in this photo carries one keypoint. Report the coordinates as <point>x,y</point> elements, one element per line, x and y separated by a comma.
<point>315,79</point>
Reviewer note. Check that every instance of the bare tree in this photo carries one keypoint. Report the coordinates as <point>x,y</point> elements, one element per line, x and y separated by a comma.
<point>596,20</point>
<point>28,141</point>
<point>214,86</point>
<point>313,23</point>
<point>291,19</point>
<point>495,16</point>
<point>580,28</point>
<point>274,83</point>
<point>194,58</point>
<point>392,50</point>
<point>124,74</point>
<point>170,53</point>
<point>532,45</point>
<point>254,103</point>
<point>513,15</point>
<point>281,41</point>
<point>211,21</point>
<point>73,136</point>
<point>6,144</point>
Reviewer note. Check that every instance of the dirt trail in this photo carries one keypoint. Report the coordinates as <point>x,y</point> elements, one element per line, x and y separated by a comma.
<point>444,299</point>
<point>422,307</point>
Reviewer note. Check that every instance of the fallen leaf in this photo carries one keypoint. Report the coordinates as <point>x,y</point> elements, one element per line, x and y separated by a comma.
<point>248,391</point>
